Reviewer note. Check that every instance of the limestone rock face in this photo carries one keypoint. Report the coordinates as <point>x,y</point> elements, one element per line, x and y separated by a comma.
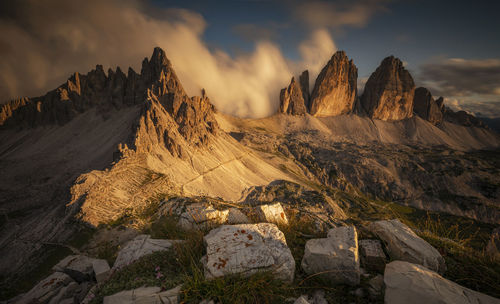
<point>304,87</point>
<point>248,248</point>
<point>412,284</point>
<point>403,244</point>
<point>335,90</point>
<point>140,246</point>
<point>426,107</point>
<point>292,99</point>
<point>336,256</point>
<point>389,92</point>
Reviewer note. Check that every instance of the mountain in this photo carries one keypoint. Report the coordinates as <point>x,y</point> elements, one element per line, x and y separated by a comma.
<point>389,92</point>
<point>335,89</point>
<point>106,149</point>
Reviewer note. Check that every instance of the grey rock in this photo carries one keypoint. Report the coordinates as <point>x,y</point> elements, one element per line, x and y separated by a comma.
<point>235,216</point>
<point>414,284</point>
<point>302,300</point>
<point>248,248</point>
<point>272,213</point>
<point>46,289</point>
<point>202,216</point>
<point>149,295</point>
<point>140,246</point>
<point>335,257</point>
<point>403,244</point>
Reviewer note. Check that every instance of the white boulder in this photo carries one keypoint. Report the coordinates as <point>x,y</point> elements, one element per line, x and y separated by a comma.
<point>247,248</point>
<point>335,258</point>
<point>140,246</point>
<point>272,214</point>
<point>85,266</point>
<point>202,216</point>
<point>403,244</point>
<point>414,284</point>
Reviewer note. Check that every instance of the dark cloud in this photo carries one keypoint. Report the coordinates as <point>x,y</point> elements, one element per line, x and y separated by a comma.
<point>337,14</point>
<point>490,109</point>
<point>254,32</point>
<point>462,77</point>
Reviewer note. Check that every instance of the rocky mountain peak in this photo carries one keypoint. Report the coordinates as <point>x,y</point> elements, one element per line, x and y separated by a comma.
<point>426,107</point>
<point>335,89</point>
<point>304,86</point>
<point>389,92</point>
<point>292,100</point>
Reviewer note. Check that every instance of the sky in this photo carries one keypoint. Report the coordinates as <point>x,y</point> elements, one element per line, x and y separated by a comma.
<point>244,51</point>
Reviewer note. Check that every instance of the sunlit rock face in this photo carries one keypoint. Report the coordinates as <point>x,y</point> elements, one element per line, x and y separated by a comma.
<point>426,107</point>
<point>292,100</point>
<point>389,92</point>
<point>335,90</point>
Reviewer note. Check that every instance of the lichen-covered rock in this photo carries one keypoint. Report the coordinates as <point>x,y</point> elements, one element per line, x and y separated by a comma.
<point>414,284</point>
<point>403,244</point>
<point>372,255</point>
<point>335,90</point>
<point>425,106</point>
<point>292,100</point>
<point>335,257</point>
<point>246,249</point>
<point>389,92</point>
<point>140,246</point>
<point>272,214</point>
<point>149,295</point>
<point>47,289</point>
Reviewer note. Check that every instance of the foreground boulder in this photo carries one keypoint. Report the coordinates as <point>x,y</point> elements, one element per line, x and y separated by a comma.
<point>82,268</point>
<point>335,90</point>
<point>149,295</point>
<point>140,246</point>
<point>389,92</point>
<point>202,216</point>
<point>272,214</point>
<point>248,248</point>
<point>292,100</point>
<point>410,283</point>
<point>403,244</point>
<point>335,257</point>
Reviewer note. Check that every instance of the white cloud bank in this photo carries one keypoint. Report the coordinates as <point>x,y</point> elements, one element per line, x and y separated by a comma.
<point>42,43</point>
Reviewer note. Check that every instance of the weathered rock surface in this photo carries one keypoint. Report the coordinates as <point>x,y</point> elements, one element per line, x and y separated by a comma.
<point>292,100</point>
<point>335,90</point>
<point>403,244</point>
<point>410,283</point>
<point>389,92</point>
<point>372,255</point>
<point>304,87</point>
<point>140,246</point>
<point>47,289</point>
<point>426,107</point>
<point>235,216</point>
<point>202,216</point>
<point>336,256</point>
<point>248,248</point>
<point>145,295</point>
<point>272,214</point>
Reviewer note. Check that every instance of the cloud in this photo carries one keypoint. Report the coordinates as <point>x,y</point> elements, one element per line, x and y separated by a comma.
<point>43,43</point>
<point>463,77</point>
<point>254,32</point>
<point>334,15</point>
